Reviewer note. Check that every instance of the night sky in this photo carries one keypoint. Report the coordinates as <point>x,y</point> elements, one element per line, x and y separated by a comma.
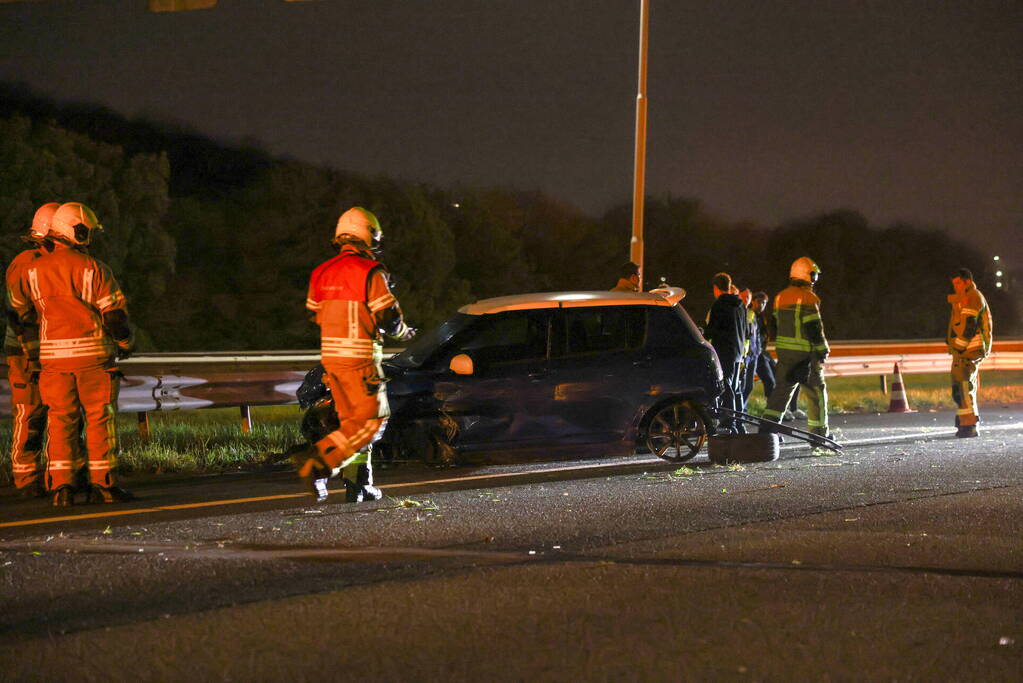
<point>903,109</point>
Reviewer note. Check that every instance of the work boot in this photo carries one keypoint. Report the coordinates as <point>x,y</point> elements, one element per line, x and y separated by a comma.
<point>362,488</point>
<point>821,431</point>
<point>967,432</point>
<point>109,494</point>
<point>319,488</point>
<point>64,496</point>
<point>33,490</point>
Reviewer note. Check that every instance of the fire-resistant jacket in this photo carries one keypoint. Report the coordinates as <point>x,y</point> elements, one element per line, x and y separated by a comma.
<point>14,338</point>
<point>353,304</point>
<point>969,327</point>
<point>80,310</point>
<point>797,316</point>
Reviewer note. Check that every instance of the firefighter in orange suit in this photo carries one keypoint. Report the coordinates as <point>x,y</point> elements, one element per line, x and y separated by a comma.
<point>27,410</point>
<point>353,305</point>
<point>969,342</point>
<point>83,326</point>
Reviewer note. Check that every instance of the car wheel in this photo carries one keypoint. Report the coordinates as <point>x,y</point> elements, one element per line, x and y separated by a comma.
<point>676,431</point>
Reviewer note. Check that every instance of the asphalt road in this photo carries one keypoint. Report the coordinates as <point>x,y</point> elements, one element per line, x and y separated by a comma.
<point>899,559</point>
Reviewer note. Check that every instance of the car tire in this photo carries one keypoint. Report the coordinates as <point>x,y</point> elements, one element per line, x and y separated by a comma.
<point>743,448</point>
<point>675,431</point>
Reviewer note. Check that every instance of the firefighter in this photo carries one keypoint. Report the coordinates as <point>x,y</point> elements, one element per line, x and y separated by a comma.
<point>27,410</point>
<point>351,299</point>
<point>969,342</point>
<point>801,347</point>
<point>726,331</point>
<point>628,278</point>
<point>83,326</point>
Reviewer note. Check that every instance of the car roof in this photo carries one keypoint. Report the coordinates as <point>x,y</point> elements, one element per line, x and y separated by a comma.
<point>664,296</point>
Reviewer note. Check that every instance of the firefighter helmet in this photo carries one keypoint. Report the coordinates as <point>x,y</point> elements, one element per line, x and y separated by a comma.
<point>804,269</point>
<point>41,222</point>
<point>360,224</point>
<point>73,223</point>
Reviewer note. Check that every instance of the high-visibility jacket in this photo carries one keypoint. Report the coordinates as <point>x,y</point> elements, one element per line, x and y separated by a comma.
<point>797,314</point>
<point>970,326</point>
<point>79,307</point>
<point>14,341</point>
<point>353,304</point>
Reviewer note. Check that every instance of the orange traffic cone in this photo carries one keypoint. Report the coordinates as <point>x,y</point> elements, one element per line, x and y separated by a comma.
<point>899,403</point>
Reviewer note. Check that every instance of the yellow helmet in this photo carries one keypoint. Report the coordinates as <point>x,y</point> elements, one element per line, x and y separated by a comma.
<point>360,224</point>
<point>73,223</point>
<point>41,222</point>
<point>803,268</point>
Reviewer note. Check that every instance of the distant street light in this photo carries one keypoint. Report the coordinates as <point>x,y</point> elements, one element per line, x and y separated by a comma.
<point>997,258</point>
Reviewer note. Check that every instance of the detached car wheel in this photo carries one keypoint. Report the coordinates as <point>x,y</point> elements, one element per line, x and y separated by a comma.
<point>676,432</point>
<point>743,448</point>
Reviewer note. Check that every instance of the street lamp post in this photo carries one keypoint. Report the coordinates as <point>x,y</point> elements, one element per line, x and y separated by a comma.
<point>639,168</point>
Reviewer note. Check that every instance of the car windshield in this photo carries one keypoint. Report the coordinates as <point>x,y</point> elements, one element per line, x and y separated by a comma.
<point>423,346</point>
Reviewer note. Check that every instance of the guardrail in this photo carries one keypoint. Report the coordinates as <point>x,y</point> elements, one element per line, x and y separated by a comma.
<point>188,381</point>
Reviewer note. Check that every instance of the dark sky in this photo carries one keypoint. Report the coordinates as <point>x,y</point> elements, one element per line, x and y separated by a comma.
<point>902,109</point>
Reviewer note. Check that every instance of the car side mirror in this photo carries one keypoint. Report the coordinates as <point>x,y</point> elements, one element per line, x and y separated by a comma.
<point>461,364</point>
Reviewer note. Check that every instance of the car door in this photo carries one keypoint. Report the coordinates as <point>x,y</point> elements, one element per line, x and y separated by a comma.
<point>597,371</point>
<point>501,402</point>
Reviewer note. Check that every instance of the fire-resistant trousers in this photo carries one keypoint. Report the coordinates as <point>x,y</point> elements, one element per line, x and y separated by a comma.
<point>798,368</point>
<point>965,379</point>
<point>29,423</point>
<point>68,394</point>
<point>362,411</point>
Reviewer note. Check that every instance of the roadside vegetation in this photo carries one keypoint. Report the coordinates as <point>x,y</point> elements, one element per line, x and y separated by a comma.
<point>211,441</point>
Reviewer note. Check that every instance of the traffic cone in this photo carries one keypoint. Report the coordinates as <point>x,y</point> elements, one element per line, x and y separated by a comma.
<point>898,403</point>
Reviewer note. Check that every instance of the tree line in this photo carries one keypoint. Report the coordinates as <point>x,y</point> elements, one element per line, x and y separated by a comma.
<point>213,243</point>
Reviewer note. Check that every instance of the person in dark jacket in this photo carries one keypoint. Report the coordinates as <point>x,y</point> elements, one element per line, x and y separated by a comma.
<point>726,331</point>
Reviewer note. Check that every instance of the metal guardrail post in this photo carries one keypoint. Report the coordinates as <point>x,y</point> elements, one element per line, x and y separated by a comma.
<point>143,418</point>
<point>246,413</point>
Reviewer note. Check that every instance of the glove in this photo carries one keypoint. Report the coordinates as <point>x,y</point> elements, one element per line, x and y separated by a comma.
<point>122,354</point>
<point>33,377</point>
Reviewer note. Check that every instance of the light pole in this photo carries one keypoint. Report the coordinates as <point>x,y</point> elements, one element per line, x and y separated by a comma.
<point>639,167</point>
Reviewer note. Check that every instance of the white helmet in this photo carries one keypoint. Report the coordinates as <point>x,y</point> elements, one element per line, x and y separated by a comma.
<point>41,222</point>
<point>803,268</point>
<point>360,224</point>
<point>73,223</point>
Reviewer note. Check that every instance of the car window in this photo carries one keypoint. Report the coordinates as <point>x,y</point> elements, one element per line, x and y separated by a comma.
<point>602,329</point>
<point>671,327</point>
<point>507,337</point>
<point>424,345</point>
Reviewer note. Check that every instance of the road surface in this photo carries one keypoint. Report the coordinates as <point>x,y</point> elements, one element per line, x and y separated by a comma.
<point>898,559</point>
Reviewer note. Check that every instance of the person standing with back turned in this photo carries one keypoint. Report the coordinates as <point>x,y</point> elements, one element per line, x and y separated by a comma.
<point>82,320</point>
<point>351,299</point>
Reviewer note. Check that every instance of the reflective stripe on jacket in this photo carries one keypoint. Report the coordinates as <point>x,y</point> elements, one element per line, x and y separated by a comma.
<point>348,293</point>
<point>970,325</point>
<point>14,298</point>
<point>70,292</point>
<point>798,316</point>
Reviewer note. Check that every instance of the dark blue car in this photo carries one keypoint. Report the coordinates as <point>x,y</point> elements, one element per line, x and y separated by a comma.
<point>601,372</point>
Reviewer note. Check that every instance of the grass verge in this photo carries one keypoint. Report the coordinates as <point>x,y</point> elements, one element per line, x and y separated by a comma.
<point>211,440</point>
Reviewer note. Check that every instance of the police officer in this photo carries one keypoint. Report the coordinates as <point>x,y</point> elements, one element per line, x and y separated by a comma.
<point>726,331</point>
<point>83,326</point>
<point>28,411</point>
<point>352,302</point>
<point>802,348</point>
<point>969,342</point>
